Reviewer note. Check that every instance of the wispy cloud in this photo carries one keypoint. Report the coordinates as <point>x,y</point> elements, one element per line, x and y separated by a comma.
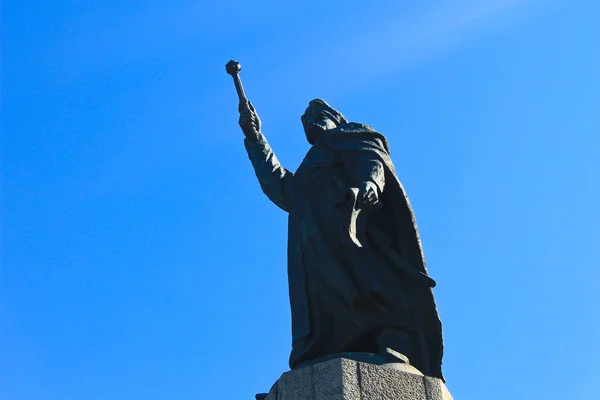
<point>400,42</point>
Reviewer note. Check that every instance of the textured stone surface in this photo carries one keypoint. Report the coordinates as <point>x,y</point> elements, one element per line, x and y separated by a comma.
<point>344,379</point>
<point>379,382</point>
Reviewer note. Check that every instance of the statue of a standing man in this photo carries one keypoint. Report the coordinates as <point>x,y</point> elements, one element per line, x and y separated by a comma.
<point>357,275</point>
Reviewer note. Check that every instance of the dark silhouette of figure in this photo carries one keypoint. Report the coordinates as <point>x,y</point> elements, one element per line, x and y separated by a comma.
<point>357,275</point>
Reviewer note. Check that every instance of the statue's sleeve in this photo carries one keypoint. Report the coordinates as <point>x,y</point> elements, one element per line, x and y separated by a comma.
<point>275,181</point>
<point>365,165</point>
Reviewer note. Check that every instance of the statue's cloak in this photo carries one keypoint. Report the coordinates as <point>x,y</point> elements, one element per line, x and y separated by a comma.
<point>326,275</point>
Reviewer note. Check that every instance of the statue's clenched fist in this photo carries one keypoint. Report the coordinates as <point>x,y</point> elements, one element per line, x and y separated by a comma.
<point>249,120</point>
<point>367,195</point>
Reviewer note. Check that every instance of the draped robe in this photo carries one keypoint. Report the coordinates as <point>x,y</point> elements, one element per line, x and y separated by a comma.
<point>342,294</point>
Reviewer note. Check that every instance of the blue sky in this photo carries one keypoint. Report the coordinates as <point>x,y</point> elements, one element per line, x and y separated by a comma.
<point>140,259</point>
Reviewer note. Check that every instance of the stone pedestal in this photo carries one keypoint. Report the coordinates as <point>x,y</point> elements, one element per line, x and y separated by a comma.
<point>345,379</point>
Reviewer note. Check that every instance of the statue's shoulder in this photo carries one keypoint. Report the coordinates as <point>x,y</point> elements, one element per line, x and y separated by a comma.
<point>353,128</point>
<point>354,131</point>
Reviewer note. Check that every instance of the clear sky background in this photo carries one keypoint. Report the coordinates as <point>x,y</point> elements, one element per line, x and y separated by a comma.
<point>140,260</point>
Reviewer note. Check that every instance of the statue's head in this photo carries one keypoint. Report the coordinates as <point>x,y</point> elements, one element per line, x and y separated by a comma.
<point>319,117</point>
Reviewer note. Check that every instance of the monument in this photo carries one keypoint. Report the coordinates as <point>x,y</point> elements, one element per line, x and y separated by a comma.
<point>364,320</point>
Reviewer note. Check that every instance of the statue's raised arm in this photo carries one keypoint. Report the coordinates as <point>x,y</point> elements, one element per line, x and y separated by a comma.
<point>274,180</point>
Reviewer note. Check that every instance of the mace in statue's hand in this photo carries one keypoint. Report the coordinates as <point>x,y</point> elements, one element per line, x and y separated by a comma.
<point>367,195</point>
<point>249,120</point>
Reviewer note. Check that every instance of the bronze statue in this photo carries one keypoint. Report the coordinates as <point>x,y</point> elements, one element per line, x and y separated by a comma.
<point>357,276</point>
